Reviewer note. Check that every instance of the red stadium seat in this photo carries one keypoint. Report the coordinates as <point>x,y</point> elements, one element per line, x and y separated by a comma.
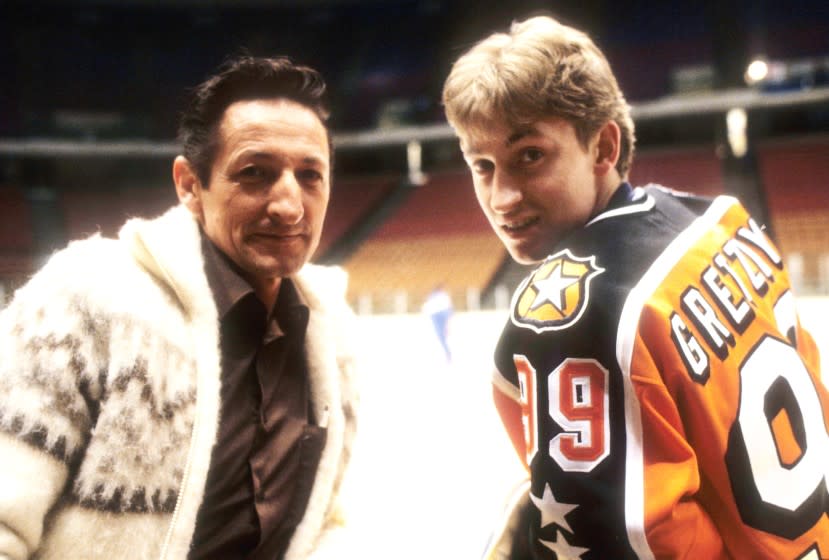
<point>695,169</point>
<point>351,200</point>
<point>438,235</point>
<point>16,237</point>
<point>89,211</point>
<point>794,175</point>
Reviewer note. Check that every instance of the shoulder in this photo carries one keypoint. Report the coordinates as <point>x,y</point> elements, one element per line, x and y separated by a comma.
<point>83,265</point>
<point>322,286</point>
<point>94,275</point>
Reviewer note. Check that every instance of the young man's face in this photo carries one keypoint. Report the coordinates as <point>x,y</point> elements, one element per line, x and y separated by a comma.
<point>269,187</point>
<point>535,184</point>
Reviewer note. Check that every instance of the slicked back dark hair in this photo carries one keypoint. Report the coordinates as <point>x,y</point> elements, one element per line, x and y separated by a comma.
<point>245,78</point>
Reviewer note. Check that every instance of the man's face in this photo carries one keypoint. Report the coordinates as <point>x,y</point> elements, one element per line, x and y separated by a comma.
<point>269,187</point>
<point>535,183</point>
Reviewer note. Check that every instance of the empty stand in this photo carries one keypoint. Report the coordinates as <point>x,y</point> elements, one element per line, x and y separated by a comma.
<point>794,175</point>
<point>104,210</point>
<point>15,225</point>
<point>696,169</point>
<point>16,237</point>
<point>439,235</point>
<point>445,205</point>
<point>352,200</point>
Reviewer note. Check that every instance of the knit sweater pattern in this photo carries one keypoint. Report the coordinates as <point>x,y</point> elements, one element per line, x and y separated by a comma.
<point>109,397</point>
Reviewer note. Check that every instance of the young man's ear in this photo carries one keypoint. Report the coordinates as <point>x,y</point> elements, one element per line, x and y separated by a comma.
<point>188,187</point>
<point>608,146</point>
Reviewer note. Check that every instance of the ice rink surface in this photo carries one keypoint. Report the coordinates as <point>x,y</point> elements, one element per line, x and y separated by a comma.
<point>432,464</point>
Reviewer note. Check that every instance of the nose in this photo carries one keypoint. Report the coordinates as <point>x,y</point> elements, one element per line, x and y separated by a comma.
<point>505,193</point>
<point>285,200</point>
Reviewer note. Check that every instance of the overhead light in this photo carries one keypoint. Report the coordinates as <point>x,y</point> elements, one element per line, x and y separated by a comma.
<point>413,158</point>
<point>757,71</point>
<point>737,124</point>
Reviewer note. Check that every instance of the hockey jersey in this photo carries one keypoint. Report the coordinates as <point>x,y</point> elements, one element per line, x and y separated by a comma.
<point>669,402</point>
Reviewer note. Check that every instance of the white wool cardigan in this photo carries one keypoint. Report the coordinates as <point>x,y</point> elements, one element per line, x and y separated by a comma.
<point>109,397</point>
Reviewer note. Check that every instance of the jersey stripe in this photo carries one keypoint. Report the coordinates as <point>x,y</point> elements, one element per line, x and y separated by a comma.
<point>505,385</point>
<point>644,205</point>
<point>626,336</point>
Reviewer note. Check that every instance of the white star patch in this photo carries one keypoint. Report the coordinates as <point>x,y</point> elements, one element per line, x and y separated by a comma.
<point>552,288</point>
<point>563,549</point>
<point>552,511</point>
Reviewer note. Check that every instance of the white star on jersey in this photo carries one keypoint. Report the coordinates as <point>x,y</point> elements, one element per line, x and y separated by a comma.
<point>552,511</point>
<point>552,288</point>
<point>563,549</point>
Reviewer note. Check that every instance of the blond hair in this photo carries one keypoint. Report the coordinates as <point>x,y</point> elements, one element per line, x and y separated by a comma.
<point>541,68</point>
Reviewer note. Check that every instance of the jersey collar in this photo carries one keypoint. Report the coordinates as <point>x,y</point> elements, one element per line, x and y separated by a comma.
<point>626,200</point>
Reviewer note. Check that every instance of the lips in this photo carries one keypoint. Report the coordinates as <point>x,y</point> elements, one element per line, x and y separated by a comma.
<point>288,234</point>
<point>283,239</point>
<point>518,226</point>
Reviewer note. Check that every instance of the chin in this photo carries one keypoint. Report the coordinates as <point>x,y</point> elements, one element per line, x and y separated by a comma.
<point>525,257</point>
<point>266,269</point>
<point>526,260</point>
<point>286,268</point>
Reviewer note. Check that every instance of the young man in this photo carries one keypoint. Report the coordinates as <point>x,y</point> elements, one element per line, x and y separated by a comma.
<point>185,390</point>
<point>653,373</point>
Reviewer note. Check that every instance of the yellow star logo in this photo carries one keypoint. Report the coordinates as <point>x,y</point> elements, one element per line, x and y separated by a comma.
<point>555,295</point>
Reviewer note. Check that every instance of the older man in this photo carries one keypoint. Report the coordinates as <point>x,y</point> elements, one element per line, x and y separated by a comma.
<point>185,390</point>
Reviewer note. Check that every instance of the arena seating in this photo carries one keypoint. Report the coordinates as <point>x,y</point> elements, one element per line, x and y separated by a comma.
<point>438,236</point>
<point>87,211</point>
<point>351,200</point>
<point>16,238</point>
<point>794,175</point>
<point>694,169</point>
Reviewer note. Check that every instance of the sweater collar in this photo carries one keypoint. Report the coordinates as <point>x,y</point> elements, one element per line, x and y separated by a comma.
<point>168,247</point>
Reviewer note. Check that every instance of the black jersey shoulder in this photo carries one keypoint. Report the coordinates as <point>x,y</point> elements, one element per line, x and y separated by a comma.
<point>570,304</point>
<point>627,240</point>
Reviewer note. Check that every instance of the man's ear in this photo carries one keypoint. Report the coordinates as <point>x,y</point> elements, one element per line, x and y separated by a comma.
<point>188,187</point>
<point>608,145</point>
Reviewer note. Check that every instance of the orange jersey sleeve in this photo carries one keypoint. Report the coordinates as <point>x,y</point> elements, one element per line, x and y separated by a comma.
<point>725,402</point>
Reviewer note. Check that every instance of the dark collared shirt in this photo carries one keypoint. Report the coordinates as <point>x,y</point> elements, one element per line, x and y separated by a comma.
<point>268,448</point>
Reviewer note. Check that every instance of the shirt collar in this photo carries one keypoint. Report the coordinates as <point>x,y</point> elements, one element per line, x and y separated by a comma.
<point>290,312</point>
<point>224,277</point>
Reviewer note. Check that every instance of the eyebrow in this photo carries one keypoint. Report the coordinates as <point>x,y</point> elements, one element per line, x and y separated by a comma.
<point>260,155</point>
<point>515,137</point>
<point>520,135</point>
<point>312,160</point>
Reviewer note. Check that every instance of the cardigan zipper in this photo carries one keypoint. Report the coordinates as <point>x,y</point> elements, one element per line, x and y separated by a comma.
<point>185,477</point>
